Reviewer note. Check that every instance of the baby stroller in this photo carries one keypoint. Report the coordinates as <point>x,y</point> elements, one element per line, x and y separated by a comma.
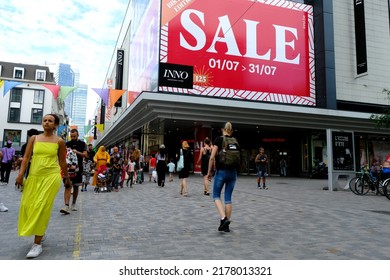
<point>101,183</point>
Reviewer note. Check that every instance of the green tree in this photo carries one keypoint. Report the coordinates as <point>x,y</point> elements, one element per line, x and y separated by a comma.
<point>383,120</point>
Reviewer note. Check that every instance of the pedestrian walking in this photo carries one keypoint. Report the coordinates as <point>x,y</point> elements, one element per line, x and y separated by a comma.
<point>184,173</point>
<point>226,159</point>
<point>161,165</point>
<point>137,168</point>
<point>171,169</point>
<point>130,172</point>
<point>116,169</point>
<point>101,158</point>
<point>204,158</point>
<point>78,148</point>
<point>261,161</point>
<point>283,167</point>
<point>43,182</point>
<point>87,171</point>
<point>8,153</point>
<point>152,167</point>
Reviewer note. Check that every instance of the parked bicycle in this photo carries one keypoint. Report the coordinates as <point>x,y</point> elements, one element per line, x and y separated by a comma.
<point>386,184</point>
<point>368,181</point>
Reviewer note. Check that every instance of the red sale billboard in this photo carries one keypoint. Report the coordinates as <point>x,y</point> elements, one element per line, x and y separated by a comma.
<point>246,49</point>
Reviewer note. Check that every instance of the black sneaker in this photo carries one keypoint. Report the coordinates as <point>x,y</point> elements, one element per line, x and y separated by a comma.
<point>227,229</point>
<point>224,224</point>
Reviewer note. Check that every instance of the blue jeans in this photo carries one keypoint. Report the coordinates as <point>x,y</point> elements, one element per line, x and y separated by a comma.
<point>225,177</point>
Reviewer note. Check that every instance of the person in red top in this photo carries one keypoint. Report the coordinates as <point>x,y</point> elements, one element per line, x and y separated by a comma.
<point>152,167</point>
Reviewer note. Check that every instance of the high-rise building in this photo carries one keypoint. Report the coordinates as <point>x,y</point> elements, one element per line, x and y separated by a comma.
<point>76,101</point>
<point>78,108</point>
<point>65,75</point>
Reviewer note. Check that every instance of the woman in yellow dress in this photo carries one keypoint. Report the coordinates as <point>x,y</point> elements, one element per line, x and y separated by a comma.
<point>47,152</point>
<point>101,158</point>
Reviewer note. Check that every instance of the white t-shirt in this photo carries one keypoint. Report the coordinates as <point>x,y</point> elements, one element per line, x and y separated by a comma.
<point>130,167</point>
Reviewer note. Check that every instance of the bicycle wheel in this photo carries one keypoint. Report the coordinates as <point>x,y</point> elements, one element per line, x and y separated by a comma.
<point>352,183</point>
<point>386,188</point>
<point>379,185</point>
<point>362,186</point>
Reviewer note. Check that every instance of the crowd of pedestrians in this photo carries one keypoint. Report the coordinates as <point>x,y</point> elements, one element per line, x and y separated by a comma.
<point>45,155</point>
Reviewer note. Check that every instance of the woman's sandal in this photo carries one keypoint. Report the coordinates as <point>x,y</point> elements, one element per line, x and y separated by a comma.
<point>185,194</point>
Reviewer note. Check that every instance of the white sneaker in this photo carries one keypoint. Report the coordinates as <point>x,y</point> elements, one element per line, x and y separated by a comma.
<point>73,207</point>
<point>3,208</point>
<point>35,251</point>
<point>65,210</point>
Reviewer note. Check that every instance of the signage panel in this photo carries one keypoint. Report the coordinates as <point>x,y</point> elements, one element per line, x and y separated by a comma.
<point>343,147</point>
<point>253,50</point>
<point>173,75</point>
<point>360,37</point>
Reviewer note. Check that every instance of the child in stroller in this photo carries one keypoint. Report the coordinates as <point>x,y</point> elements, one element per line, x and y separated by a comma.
<point>102,180</point>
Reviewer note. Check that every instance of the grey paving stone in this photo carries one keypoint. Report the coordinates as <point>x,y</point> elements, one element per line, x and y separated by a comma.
<point>294,220</point>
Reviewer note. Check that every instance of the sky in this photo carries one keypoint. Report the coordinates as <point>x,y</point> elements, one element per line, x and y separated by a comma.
<point>80,33</point>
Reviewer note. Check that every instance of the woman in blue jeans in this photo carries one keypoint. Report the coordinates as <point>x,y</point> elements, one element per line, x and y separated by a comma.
<point>224,176</point>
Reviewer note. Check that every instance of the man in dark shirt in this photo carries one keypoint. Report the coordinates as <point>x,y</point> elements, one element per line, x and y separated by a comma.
<point>80,149</point>
<point>91,153</point>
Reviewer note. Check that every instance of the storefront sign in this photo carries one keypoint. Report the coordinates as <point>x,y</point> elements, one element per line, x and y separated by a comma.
<point>360,37</point>
<point>173,75</point>
<point>252,50</point>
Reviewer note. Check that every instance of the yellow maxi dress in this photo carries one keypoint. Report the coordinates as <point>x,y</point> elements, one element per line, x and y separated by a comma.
<point>39,190</point>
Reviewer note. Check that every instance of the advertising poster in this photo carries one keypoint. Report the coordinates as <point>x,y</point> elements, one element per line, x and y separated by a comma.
<point>251,50</point>
<point>374,153</point>
<point>343,155</point>
<point>12,135</point>
<point>143,54</point>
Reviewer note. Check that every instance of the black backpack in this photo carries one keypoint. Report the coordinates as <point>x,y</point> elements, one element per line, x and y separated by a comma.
<point>229,155</point>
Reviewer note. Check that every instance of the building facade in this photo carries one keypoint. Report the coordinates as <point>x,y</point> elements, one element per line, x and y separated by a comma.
<point>300,78</point>
<point>26,97</point>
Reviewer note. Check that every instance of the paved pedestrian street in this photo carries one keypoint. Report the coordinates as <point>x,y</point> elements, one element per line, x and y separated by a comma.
<point>295,219</point>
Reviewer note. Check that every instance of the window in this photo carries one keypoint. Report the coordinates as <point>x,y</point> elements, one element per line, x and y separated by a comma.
<point>40,75</point>
<point>18,73</point>
<point>16,95</point>
<point>36,115</point>
<point>14,115</point>
<point>39,96</point>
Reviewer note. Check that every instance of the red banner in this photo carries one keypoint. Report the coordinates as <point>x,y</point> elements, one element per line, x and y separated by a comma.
<point>242,49</point>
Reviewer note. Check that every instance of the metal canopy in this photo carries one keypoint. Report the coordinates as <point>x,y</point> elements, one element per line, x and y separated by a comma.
<point>182,108</point>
